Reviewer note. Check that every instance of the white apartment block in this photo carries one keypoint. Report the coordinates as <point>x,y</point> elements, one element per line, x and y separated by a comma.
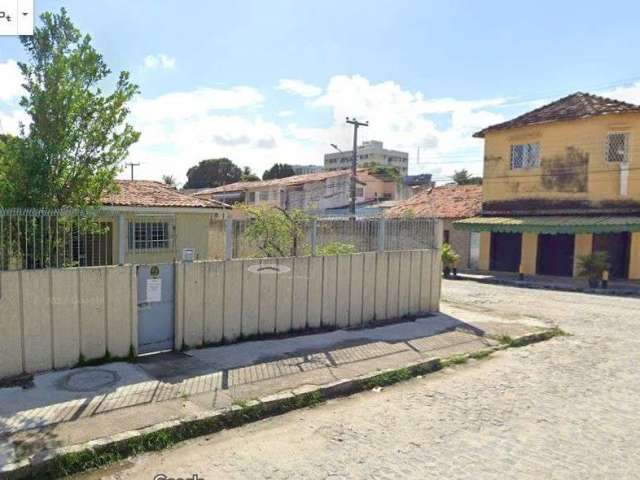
<point>368,152</point>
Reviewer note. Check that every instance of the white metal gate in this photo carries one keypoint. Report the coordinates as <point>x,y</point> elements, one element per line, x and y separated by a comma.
<point>155,308</point>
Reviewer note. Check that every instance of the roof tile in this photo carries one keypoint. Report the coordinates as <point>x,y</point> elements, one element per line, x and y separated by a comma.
<point>573,107</point>
<point>447,201</point>
<point>147,193</point>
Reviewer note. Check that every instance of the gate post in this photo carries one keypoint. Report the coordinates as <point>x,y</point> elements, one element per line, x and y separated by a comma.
<point>122,238</point>
<point>314,237</point>
<point>381,233</point>
<point>228,239</point>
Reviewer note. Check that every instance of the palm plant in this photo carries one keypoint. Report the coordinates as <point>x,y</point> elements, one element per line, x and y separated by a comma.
<point>592,266</point>
<point>449,259</point>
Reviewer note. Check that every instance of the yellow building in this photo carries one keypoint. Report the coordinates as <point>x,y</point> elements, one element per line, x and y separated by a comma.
<point>560,182</point>
<point>153,223</point>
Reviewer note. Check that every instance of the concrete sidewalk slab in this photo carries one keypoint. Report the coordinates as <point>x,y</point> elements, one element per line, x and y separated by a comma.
<point>74,406</point>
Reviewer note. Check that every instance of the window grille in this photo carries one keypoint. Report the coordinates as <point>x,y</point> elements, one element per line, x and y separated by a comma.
<point>148,235</point>
<point>263,196</point>
<point>617,148</point>
<point>525,155</point>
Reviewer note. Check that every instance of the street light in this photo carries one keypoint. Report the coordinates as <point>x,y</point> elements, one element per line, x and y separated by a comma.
<point>336,147</point>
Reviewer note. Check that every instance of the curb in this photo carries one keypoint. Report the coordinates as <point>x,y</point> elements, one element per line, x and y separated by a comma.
<point>618,292</point>
<point>104,451</point>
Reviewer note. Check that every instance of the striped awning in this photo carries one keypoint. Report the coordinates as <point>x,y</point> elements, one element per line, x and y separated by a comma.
<point>551,224</point>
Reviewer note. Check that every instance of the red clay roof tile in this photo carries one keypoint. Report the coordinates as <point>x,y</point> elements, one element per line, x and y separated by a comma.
<point>448,201</point>
<point>573,107</point>
<point>147,193</point>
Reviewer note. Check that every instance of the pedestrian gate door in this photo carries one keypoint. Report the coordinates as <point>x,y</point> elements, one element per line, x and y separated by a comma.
<point>155,308</point>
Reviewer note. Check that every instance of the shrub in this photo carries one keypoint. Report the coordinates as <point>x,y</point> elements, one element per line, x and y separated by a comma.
<point>593,265</point>
<point>449,256</point>
<point>336,248</point>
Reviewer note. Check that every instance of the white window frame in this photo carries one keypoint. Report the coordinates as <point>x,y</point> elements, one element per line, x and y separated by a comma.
<point>527,153</point>
<point>157,235</point>
<point>263,196</point>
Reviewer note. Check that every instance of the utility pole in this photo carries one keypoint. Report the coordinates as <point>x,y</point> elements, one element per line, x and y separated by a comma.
<point>354,162</point>
<point>132,165</point>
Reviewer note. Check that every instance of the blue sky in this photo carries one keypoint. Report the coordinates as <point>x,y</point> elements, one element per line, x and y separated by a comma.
<point>265,81</point>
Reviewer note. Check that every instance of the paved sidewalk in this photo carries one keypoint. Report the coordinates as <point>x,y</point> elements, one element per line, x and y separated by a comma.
<point>74,406</point>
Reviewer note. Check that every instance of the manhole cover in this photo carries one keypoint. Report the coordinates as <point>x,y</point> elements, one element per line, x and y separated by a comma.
<point>89,380</point>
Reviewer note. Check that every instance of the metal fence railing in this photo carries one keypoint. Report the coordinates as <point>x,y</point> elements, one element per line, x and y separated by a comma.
<point>341,235</point>
<point>32,239</point>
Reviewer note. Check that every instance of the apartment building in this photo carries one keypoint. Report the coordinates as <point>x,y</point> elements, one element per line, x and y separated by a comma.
<point>369,152</point>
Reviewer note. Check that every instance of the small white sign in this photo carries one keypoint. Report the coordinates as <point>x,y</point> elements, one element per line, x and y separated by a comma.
<point>154,290</point>
<point>187,254</point>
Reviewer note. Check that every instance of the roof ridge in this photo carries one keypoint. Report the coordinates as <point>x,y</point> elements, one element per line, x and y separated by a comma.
<point>570,107</point>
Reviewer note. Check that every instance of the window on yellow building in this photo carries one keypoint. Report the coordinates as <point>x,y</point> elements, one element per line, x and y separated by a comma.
<point>617,148</point>
<point>525,155</point>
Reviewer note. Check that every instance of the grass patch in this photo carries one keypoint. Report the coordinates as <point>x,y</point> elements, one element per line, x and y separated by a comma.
<point>73,463</point>
<point>388,378</point>
<point>479,355</point>
<point>504,339</point>
<point>106,358</point>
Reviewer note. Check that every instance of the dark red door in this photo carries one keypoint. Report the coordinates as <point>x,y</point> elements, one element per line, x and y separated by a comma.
<point>506,250</point>
<point>616,245</point>
<point>555,254</point>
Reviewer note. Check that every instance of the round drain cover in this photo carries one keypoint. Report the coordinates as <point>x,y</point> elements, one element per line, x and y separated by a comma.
<point>89,380</point>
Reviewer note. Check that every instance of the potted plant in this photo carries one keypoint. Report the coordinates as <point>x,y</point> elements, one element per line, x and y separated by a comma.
<point>449,260</point>
<point>593,266</point>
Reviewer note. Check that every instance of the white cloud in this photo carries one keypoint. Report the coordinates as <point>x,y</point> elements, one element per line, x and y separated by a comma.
<point>11,115</point>
<point>298,87</point>
<point>10,81</point>
<point>179,105</point>
<point>405,120</point>
<point>10,121</point>
<point>179,129</point>
<point>630,93</point>
<point>165,62</point>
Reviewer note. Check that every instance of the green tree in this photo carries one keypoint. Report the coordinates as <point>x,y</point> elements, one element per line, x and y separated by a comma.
<point>463,177</point>
<point>276,232</point>
<point>278,170</point>
<point>169,180</point>
<point>7,159</point>
<point>248,175</point>
<point>78,135</point>
<point>213,173</point>
<point>385,170</point>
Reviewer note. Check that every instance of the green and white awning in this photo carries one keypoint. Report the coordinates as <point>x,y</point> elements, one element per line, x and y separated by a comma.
<point>551,224</point>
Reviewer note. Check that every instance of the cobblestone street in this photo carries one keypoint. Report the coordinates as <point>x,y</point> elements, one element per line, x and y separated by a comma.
<point>565,408</point>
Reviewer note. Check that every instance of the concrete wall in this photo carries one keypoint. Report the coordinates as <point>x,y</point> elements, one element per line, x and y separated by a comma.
<point>460,240</point>
<point>48,318</point>
<point>228,300</point>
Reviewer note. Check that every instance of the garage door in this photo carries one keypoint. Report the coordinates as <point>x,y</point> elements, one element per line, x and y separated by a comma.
<point>555,254</point>
<point>506,249</point>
